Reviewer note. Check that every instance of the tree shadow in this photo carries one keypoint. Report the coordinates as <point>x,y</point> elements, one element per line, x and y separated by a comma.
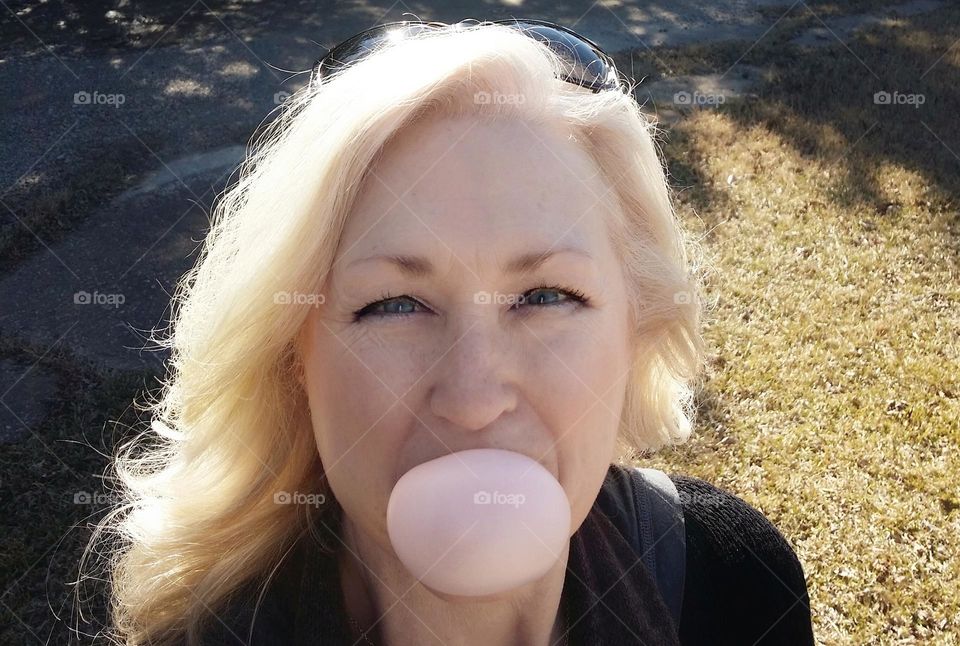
<point>889,99</point>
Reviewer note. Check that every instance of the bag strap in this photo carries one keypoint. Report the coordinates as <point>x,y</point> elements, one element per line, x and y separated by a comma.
<point>644,505</point>
<point>661,537</point>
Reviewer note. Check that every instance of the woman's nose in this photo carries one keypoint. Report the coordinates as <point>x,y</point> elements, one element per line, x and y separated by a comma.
<point>475,380</point>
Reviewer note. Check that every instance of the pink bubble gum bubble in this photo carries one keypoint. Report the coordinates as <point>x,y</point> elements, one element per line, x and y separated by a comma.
<point>478,522</point>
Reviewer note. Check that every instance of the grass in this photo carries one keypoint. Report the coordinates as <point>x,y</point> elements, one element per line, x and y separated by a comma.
<point>833,395</point>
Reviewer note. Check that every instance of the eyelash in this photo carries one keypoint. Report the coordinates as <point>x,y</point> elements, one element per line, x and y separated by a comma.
<point>574,295</point>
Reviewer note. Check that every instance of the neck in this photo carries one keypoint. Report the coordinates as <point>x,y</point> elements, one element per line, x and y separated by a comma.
<point>394,608</point>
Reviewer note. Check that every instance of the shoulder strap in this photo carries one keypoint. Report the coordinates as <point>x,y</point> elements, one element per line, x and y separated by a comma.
<point>644,505</point>
<point>662,536</point>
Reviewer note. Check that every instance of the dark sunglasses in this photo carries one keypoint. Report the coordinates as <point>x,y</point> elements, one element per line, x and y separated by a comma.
<point>587,65</point>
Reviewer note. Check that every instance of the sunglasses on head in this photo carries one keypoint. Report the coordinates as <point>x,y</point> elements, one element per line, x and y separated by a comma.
<point>586,64</point>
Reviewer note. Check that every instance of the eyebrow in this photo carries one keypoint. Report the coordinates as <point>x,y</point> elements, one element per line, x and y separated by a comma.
<point>418,266</point>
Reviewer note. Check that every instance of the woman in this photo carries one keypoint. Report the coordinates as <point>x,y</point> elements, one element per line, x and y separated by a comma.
<point>453,238</point>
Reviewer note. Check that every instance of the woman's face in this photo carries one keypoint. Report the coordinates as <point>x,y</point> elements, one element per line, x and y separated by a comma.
<point>439,333</point>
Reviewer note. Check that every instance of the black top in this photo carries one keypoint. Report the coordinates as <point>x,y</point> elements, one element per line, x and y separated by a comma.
<point>744,585</point>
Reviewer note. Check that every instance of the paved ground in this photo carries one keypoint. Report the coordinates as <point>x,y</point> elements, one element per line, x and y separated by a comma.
<point>120,128</point>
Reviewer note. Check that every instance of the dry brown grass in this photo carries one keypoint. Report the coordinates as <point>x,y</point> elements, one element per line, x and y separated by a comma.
<point>833,398</point>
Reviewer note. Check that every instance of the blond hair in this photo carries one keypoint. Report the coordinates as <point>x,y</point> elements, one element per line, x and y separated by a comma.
<point>231,427</point>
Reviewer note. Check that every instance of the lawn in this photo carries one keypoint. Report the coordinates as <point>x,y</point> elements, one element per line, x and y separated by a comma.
<point>832,232</point>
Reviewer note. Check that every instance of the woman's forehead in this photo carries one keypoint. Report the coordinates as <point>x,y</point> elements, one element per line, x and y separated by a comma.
<point>468,178</point>
<point>478,153</point>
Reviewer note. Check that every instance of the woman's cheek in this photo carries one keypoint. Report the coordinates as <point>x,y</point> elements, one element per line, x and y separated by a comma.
<point>396,355</point>
<point>574,360</point>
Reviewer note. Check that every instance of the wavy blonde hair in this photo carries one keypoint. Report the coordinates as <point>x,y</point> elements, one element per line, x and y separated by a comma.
<point>231,426</point>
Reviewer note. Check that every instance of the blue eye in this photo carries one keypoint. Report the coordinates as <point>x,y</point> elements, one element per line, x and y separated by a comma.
<point>564,294</point>
<point>388,306</point>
